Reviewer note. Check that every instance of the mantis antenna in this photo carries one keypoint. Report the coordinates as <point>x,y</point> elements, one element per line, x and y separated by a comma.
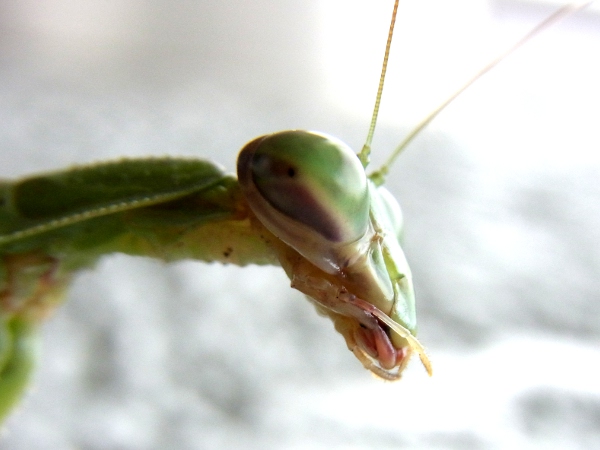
<point>366,150</point>
<point>378,176</point>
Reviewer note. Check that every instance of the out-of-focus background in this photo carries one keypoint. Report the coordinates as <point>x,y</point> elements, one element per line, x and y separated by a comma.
<point>500,196</point>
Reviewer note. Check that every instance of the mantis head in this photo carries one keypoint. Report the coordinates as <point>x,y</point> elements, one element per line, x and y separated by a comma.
<point>340,240</point>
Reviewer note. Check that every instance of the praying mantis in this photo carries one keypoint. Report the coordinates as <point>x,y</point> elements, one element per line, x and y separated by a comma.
<point>166,226</point>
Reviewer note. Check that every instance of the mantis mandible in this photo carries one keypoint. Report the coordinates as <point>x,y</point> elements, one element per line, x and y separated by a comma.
<point>302,200</point>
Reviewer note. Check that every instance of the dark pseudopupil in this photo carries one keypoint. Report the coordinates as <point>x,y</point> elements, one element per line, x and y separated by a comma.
<point>280,184</point>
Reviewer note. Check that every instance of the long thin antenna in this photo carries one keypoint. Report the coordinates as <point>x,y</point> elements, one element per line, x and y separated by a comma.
<point>366,150</point>
<point>378,177</point>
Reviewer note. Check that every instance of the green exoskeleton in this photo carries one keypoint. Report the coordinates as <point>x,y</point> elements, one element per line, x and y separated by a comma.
<point>302,200</point>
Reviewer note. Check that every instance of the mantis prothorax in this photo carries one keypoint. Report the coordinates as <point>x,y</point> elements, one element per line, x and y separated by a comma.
<point>303,201</point>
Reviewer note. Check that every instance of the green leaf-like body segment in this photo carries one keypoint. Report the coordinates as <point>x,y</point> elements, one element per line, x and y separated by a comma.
<point>52,225</point>
<point>135,206</point>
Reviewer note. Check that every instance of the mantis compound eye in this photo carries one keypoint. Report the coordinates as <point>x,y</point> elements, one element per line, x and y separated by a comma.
<point>307,188</point>
<point>388,209</point>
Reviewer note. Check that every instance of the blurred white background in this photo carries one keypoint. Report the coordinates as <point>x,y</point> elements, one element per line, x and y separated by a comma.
<point>500,196</point>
